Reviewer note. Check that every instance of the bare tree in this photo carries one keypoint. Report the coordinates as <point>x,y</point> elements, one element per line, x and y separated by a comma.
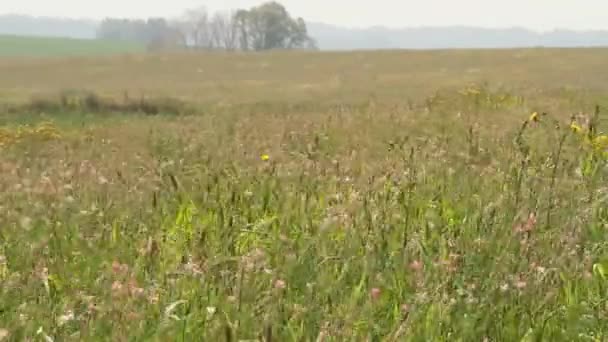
<point>156,33</point>
<point>241,22</point>
<point>196,28</point>
<point>224,31</point>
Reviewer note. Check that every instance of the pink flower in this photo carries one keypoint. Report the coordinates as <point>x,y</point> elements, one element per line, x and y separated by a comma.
<point>118,290</point>
<point>416,265</point>
<point>527,226</point>
<point>134,289</point>
<point>119,268</point>
<point>280,284</point>
<point>375,293</point>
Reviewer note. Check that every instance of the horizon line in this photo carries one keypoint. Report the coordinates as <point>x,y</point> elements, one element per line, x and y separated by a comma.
<point>338,26</point>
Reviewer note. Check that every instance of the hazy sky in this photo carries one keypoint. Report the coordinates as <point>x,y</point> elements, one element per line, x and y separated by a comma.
<point>534,14</point>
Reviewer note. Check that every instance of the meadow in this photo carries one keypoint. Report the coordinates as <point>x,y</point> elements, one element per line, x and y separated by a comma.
<point>296,196</point>
<point>19,46</point>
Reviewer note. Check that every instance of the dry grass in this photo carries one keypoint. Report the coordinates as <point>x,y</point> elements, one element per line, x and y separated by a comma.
<point>398,202</point>
<point>338,78</point>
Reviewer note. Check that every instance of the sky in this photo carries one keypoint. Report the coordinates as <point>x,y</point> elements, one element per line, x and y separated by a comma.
<point>540,15</point>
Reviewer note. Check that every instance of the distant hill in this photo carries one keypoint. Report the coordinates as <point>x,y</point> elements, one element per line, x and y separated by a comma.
<point>330,37</point>
<point>13,46</point>
<point>22,25</point>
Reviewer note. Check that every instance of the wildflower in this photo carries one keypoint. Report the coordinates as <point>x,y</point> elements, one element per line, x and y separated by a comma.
<point>265,157</point>
<point>63,319</point>
<point>416,265</point>
<point>527,226</point>
<point>534,117</point>
<point>601,141</point>
<point>118,290</point>
<point>280,284</point>
<point>134,289</point>
<point>211,311</point>
<point>118,268</point>
<point>375,293</point>
<point>575,128</point>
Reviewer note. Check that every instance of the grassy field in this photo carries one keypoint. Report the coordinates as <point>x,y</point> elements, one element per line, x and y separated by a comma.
<point>17,46</point>
<point>378,196</point>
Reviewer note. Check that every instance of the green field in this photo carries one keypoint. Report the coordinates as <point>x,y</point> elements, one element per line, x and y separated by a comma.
<point>17,46</point>
<point>295,196</point>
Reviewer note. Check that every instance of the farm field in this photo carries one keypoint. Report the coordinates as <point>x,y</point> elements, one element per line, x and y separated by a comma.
<point>18,46</point>
<point>383,196</point>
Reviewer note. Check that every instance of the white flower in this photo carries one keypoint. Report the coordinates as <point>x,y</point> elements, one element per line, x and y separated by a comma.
<point>63,319</point>
<point>211,311</point>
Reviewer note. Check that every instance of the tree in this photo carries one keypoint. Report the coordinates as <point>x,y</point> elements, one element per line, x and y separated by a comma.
<point>265,27</point>
<point>195,26</point>
<point>269,26</point>
<point>155,33</point>
<point>162,36</point>
<point>224,31</point>
<point>241,23</point>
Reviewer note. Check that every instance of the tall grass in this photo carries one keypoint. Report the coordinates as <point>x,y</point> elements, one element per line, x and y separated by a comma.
<point>305,197</point>
<point>346,224</point>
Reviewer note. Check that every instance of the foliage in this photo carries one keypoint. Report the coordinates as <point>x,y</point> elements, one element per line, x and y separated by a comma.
<point>269,26</point>
<point>90,102</point>
<point>264,27</point>
<point>43,131</point>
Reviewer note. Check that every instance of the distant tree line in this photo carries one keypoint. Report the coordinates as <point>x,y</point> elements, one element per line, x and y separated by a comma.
<point>265,27</point>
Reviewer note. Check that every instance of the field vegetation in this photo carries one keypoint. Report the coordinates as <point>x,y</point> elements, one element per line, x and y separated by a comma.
<point>300,196</point>
<point>20,46</point>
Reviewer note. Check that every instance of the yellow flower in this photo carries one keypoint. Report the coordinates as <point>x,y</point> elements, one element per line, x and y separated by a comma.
<point>601,142</point>
<point>265,157</point>
<point>575,128</point>
<point>534,117</point>
<point>474,91</point>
